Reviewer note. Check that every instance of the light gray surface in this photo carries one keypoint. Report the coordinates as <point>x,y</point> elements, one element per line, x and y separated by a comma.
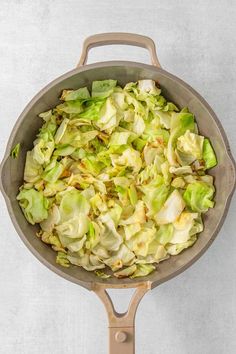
<point>40,312</point>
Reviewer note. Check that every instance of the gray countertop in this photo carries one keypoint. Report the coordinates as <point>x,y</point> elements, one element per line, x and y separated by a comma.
<point>40,40</point>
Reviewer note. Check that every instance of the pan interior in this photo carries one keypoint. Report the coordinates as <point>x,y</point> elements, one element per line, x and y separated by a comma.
<point>176,91</point>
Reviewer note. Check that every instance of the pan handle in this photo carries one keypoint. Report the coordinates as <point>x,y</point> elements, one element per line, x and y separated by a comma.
<point>121,325</point>
<point>133,39</point>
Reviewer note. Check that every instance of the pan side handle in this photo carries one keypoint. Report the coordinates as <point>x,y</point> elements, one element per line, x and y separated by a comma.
<point>120,38</point>
<point>121,325</point>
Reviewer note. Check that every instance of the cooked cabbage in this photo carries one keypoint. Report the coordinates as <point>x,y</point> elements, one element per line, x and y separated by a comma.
<point>117,179</point>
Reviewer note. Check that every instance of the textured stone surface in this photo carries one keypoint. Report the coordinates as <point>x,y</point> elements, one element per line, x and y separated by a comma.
<point>39,40</point>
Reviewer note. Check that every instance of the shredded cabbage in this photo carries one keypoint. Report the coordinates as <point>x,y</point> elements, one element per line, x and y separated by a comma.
<point>15,151</point>
<point>117,179</point>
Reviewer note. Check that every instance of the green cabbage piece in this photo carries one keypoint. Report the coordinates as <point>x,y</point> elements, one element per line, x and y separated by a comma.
<point>180,123</point>
<point>74,221</point>
<point>91,165</point>
<point>140,242</point>
<point>129,158</point>
<point>182,227</point>
<point>73,204</point>
<point>53,240</point>
<point>33,169</point>
<point>126,272</point>
<point>138,216</point>
<point>110,239</point>
<point>165,119</point>
<point>93,235</point>
<point>108,118</point>
<point>44,144</point>
<point>120,138</point>
<point>73,95</point>
<point>103,88</point>
<point>118,97</point>
<point>51,189</point>
<point>46,116</point>
<point>139,144</point>
<point>52,219</point>
<point>165,169</point>
<point>191,143</point>
<point>138,125</point>
<point>171,210</point>
<point>34,205</point>
<point>101,274</point>
<point>197,226</point>
<point>88,261</point>
<point>148,86</point>
<point>154,197</point>
<point>143,270</point>
<point>208,154</point>
<point>178,182</point>
<point>64,150</point>
<point>164,234</point>
<point>62,259</point>
<point>182,170</point>
<point>183,158</point>
<point>61,130</point>
<point>53,171</point>
<point>131,230</point>
<point>198,196</point>
<point>122,257</point>
<point>15,151</point>
<point>74,137</point>
<point>133,195</point>
<point>173,250</point>
<point>70,107</point>
<point>149,154</point>
<point>92,109</point>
